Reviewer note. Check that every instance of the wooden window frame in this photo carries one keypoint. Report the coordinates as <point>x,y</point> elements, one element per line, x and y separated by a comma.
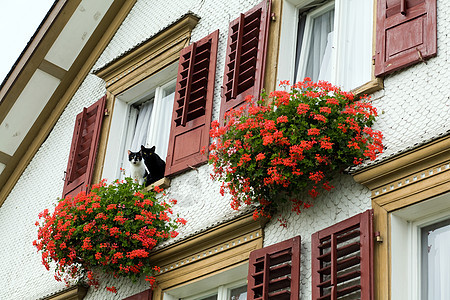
<point>77,292</point>
<point>207,253</point>
<point>407,179</point>
<point>142,62</point>
<point>373,85</point>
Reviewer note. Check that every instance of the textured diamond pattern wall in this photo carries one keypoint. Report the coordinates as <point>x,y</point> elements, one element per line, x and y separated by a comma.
<point>414,107</point>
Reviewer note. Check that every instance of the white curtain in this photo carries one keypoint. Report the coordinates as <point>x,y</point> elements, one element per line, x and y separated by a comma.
<point>439,263</point>
<point>159,132</point>
<point>142,126</point>
<point>354,43</point>
<point>316,46</point>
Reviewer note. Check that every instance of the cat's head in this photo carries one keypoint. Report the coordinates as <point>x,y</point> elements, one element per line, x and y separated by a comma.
<point>135,157</point>
<point>147,152</point>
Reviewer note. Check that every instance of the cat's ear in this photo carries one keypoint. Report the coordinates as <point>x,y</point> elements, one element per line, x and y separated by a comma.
<point>152,149</point>
<point>143,148</point>
<point>129,152</point>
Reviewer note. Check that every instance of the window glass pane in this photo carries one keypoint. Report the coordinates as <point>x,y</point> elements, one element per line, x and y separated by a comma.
<point>319,55</point>
<point>436,261</point>
<point>239,293</point>
<point>315,55</point>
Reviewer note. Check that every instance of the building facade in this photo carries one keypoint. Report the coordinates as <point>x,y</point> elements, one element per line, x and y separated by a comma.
<point>386,224</point>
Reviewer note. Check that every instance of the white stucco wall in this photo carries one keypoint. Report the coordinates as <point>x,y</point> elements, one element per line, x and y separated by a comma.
<point>413,107</point>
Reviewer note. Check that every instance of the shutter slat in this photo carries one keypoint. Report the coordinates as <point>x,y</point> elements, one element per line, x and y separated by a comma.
<point>342,238</point>
<point>343,251</point>
<point>348,290</point>
<point>340,279</point>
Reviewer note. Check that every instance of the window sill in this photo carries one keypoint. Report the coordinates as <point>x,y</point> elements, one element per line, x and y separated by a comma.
<point>162,183</point>
<point>370,87</point>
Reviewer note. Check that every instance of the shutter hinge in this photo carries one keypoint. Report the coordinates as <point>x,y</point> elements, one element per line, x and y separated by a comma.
<point>373,60</point>
<point>64,177</point>
<point>273,17</point>
<point>378,237</point>
<point>420,56</point>
<point>106,112</point>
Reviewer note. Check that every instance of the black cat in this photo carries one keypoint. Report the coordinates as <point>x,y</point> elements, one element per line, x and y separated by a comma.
<point>155,165</point>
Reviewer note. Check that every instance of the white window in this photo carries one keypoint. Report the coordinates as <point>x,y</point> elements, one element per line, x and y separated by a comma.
<point>420,245</point>
<point>327,40</point>
<point>142,116</point>
<point>227,285</point>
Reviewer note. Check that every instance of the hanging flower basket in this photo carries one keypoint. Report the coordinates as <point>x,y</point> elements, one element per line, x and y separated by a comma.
<point>271,153</point>
<point>110,230</point>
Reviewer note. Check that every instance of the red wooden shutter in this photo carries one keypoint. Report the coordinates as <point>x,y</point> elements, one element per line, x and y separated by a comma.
<point>192,110</point>
<point>406,33</point>
<point>246,57</point>
<point>274,271</point>
<point>84,148</point>
<point>145,295</point>
<point>342,259</point>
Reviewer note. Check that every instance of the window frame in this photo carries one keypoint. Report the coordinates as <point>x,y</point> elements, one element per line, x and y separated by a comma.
<point>404,180</point>
<point>288,40</point>
<point>122,117</point>
<point>158,52</point>
<point>224,247</point>
<point>222,291</point>
<point>406,227</point>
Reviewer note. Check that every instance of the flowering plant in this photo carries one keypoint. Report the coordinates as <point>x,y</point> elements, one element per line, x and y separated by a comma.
<point>270,153</point>
<point>111,229</point>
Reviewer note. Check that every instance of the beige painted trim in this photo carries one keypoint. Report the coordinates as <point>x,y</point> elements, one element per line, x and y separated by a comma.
<point>150,57</point>
<point>404,180</point>
<point>370,87</point>
<point>52,69</point>
<point>73,293</point>
<point>65,91</point>
<point>205,254</point>
<point>4,158</point>
<point>34,53</point>
<point>273,47</point>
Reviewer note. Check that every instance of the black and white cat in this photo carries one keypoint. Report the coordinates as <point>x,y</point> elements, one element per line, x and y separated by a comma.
<point>137,167</point>
<point>155,165</point>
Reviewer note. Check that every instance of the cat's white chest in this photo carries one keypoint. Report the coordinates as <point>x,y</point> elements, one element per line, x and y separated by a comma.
<point>137,171</point>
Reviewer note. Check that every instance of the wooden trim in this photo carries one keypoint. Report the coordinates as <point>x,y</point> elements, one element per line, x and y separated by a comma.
<point>34,53</point>
<point>140,63</point>
<point>4,158</point>
<point>376,83</point>
<point>404,180</point>
<point>73,293</point>
<point>370,87</point>
<point>273,46</point>
<point>52,69</point>
<point>214,250</point>
<point>103,141</point>
<point>62,96</point>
